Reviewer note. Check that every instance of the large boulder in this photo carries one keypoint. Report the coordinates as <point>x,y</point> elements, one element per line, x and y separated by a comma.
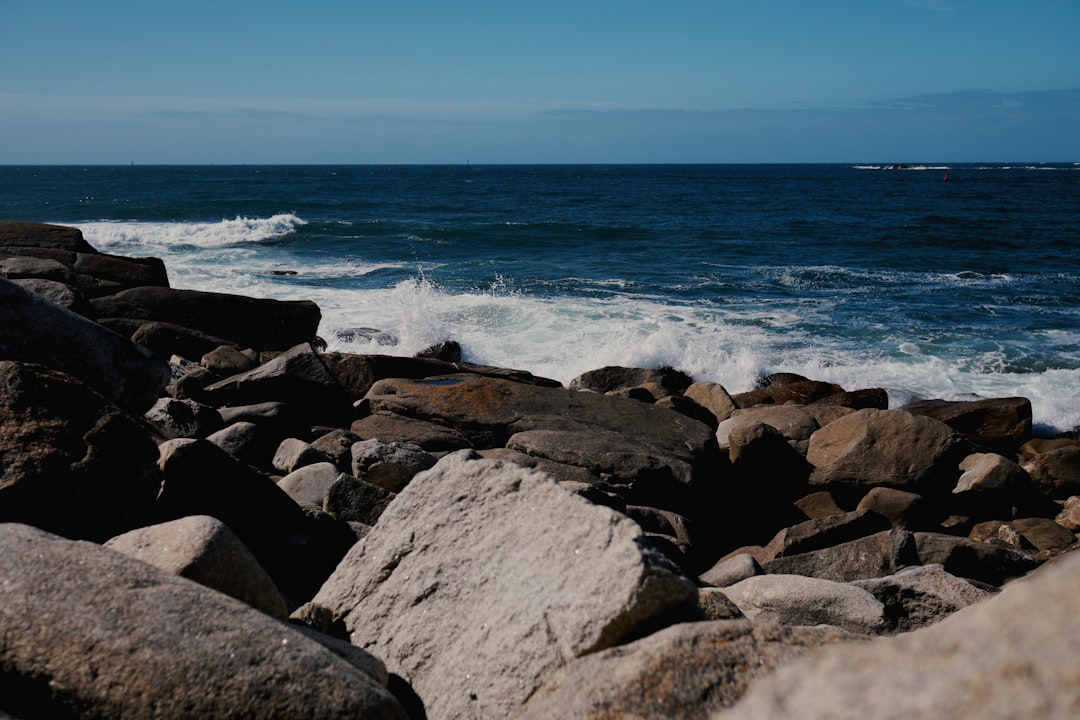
<point>1013,656</point>
<point>1000,424</point>
<point>663,381</point>
<point>259,323</point>
<point>877,555</point>
<point>35,330</point>
<point>799,600</point>
<point>886,447</point>
<point>203,549</point>
<point>481,577</point>
<point>687,671</point>
<point>42,235</point>
<point>71,461</point>
<point>92,633</point>
<point>922,595</point>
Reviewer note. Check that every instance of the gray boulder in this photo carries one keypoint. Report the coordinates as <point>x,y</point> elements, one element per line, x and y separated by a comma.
<point>798,600</point>
<point>203,549</point>
<point>92,633</point>
<point>1013,656</point>
<point>922,595</point>
<point>687,671</point>
<point>307,485</point>
<point>481,577</point>
<point>35,330</point>
<point>183,418</point>
<point>389,465</point>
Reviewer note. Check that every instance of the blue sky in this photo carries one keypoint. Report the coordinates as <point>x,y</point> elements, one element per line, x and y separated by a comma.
<point>419,81</point>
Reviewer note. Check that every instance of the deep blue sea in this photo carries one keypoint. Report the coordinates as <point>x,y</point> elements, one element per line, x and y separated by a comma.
<point>945,281</point>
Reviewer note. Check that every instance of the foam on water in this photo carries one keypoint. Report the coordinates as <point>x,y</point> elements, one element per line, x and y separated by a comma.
<point>130,235</point>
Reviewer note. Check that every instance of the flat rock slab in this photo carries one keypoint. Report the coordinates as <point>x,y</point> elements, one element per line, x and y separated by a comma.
<point>154,645</point>
<point>1013,656</point>
<point>483,576</point>
<point>687,671</point>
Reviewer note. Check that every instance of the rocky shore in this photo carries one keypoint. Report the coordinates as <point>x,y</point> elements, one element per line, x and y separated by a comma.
<point>205,513</point>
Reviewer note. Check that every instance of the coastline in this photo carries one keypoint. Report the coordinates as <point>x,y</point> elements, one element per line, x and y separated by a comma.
<point>333,470</point>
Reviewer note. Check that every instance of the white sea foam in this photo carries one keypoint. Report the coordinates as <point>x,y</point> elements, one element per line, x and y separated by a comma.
<point>133,235</point>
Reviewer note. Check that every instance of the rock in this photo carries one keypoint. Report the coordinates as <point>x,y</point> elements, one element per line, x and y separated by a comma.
<point>203,549</point>
<point>688,671</point>
<point>262,324</point>
<point>869,398</point>
<point>818,504</point>
<point>41,235</point>
<point>430,436</point>
<point>1000,424</point>
<point>388,465</point>
<point>1056,473</point>
<point>464,589</point>
<point>1043,533</point>
<point>886,447</point>
<point>57,293</point>
<point>825,532</point>
<point>668,381</point>
<point>799,600</point>
<point>561,472</point>
<point>308,484</point>
<point>905,510</point>
<point>792,421</point>
<point>337,445</point>
<point>166,339</point>
<point>355,500</point>
<point>713,397</point>
<point>296,377</point>
<point>183,418</point>
<point>732,570</point>
<point>921,595</point>
<point>247,442</point>
<point>71,462</point>
<point>154,645</point>
<point>447,351</point>
<point>1014,656</point>
<point>990,472</point>
<point>228,360</point>
<point>98,274</point>
<point>34,330</point>
<point>877,555</point>
<point>713,604</point>
<point>988,562</point>
<point>689,408</point>
<point>1069,518</point>
<point>201,479</point>
<point>293,454</point>
<point>798,392</point>
<point>17,268</point>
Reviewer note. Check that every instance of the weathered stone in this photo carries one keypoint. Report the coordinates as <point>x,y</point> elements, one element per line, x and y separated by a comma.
<point>293,454</point>
<point>1001,424</point>
<point>183,418</point>
<point>685,671</point>
<point>732,570</point>
<point>228,360</point>
<point>92,633</point>
<point>877,555</point>
<point>689,408</point>
<point>713,604</point>
<point>70,461</point>
<point>204,549</point>
<point>988,562</point>
<point>166,339</point>
<point>296,377</point>
<point>869,398</point>
<point>388,465</point>
<point>42,235</point>
<point>57,293</point>
<point>886,447</point>
<point>800,600</point>
<point>905,510</point>
<point>1069,517</point>
<point>17,268</point>
<point>562,472</point>
<point>921,595</point>
<point>465,590</point>
<point>800,392</point>
<point>1056,473</point>
<point>98,274</point>
<point>246,441</point>
<point>713,397</point>
<point>337,445</point>
<point>431,436</point>
<point>990,472</point>
<point>824,532</point>
<point>307,485</point>
<point>352,499</point>
<point>201,479</point>
<point>1043,533</point>
<point>357,373</point>
<point>666,380</point>
<point>792,421</point>
<point>259,323</point>
<point>34,330</point>
<point>1013,656</point>
<point>818,504</point>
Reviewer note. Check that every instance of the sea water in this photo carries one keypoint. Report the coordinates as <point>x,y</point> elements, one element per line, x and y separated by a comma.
<point>932,281</point>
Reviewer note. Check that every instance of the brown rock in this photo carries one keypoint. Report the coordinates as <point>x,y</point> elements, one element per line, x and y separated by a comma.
<point>666,380</point>
<point>988,562</point>
<point>713,397</point>
<point>818,504</point>
<point>1001,424</point>
<point>906,511</point>
<point>800,392</point>
<point>1056,473</point>
<point>824,532</point>
<point>877,555</point>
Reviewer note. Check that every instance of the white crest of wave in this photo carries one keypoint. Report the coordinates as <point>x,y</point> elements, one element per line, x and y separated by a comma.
<point>127,235</point>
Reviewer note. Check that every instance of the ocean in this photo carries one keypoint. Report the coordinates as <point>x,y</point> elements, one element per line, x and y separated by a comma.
<point>933,281</point>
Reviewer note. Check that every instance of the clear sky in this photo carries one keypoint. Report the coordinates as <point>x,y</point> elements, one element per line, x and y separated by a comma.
<point>508,81</point>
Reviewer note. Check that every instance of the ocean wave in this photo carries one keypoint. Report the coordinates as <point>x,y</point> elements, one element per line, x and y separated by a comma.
<point>240,230</point>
